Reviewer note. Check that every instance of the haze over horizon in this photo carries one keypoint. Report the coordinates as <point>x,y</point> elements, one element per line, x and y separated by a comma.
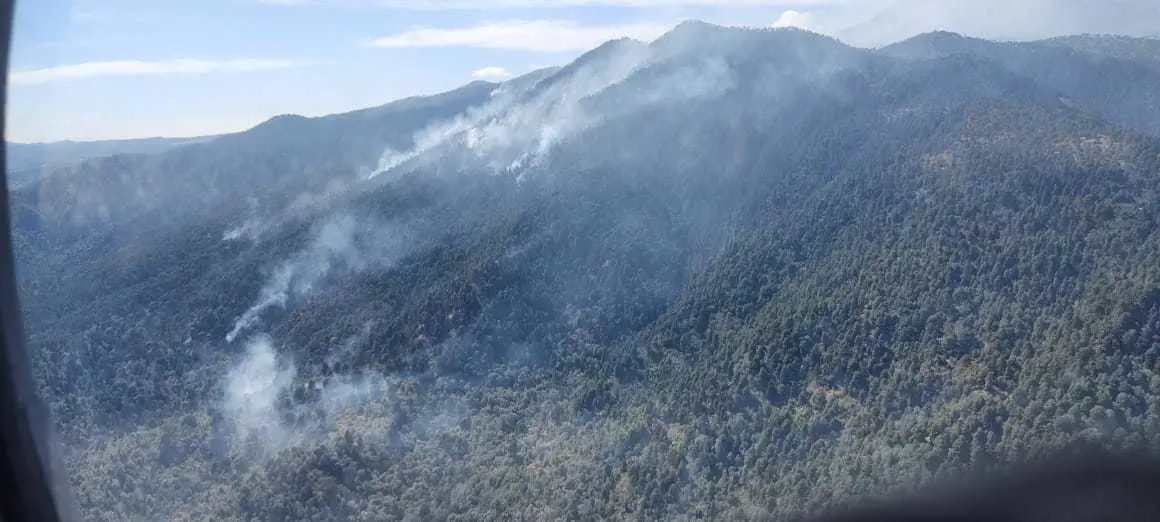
<point>117,69</point>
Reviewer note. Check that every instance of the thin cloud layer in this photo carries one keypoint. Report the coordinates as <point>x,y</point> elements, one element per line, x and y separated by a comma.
<point>491,73</point>
<point>439,5</point>
<point>529,35</point>
<point>861,22</point>
<point>142,68</point>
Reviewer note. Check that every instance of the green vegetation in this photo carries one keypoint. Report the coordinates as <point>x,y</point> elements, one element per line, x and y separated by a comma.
<point>843,272</point>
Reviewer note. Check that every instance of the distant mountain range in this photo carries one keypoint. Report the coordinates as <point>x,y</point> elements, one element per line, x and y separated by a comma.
<point>27,161</point>
<point>1002,20</point>
<point>731,274</point>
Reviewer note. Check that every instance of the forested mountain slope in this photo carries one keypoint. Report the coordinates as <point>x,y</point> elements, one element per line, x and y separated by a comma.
<point>284,164</point>
<point>730,274</point>
<point>1111,76</point>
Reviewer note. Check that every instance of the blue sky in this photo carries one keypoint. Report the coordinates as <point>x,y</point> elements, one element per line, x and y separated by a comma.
<point>92,69</point>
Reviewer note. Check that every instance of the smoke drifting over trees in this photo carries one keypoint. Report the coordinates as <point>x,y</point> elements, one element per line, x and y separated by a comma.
<point>730,274</point>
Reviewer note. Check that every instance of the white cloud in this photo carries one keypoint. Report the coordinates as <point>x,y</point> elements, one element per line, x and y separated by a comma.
<point>142,68</point>
<point>491,73</point>
<point>531,35</point>
<point>793,18</point>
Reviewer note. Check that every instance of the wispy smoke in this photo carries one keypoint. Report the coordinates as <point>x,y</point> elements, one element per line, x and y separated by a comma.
<point>340,243</point>
<point>257,401</point>
<point>348,348</point>
<point>524,121</point>
<point>331,247</point>
<point>259,408</point>
<point>438,134</point>
<point>251,230</point>
<point>252,390</point>
<point>304,206</point>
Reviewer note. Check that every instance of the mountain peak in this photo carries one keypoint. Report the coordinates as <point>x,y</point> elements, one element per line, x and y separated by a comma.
<point>282,119</point>
<point>940,38</point>
<point>696,38</point>
<point>697,25</point>
<point>940,35</point>
<point>934,44</point>
<point>697,29</point>
<point>613,46</point>
<point>278,124</point>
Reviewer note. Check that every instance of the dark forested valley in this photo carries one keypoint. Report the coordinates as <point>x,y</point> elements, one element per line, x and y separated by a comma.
<point>731,274</point>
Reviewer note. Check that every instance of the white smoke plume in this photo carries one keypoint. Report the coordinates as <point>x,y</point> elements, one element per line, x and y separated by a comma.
<point>305,205</point>
<point>340,243</point>
<point>525,120</point>
<point>522,123</point>
<point>332,246</point>
<point>255,392</point>
<point>252,390</point>
<point>251,228</point>
<point>258,406</point>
